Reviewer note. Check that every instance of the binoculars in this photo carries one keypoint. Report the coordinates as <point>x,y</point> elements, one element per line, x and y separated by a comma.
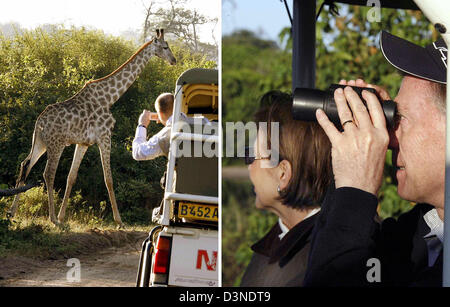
<point>306,101</point>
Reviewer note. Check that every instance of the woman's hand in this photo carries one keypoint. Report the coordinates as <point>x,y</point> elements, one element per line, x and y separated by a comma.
<point>358,153</point>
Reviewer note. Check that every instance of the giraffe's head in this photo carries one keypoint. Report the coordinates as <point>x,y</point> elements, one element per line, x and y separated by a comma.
<point>161,48</point>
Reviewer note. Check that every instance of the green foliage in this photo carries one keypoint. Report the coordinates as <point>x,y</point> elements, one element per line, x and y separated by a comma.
<point>38,68</point>
<point>4,227</point>
<point>34,202</point>
<point>346,48</point>
<point>251,66</point>
<point>242,225</point>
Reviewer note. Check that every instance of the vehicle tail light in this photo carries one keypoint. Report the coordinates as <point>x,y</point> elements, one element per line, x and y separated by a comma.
<point>162,254</point>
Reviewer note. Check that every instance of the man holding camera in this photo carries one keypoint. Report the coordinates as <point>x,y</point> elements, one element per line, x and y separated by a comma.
<point>347,241</point>
<point>157,145</point>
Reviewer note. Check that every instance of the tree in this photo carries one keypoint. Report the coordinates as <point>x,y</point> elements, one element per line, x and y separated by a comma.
<point>180,22</point>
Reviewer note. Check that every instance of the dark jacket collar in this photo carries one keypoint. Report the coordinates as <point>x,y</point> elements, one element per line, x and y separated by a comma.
<point>283,250</point>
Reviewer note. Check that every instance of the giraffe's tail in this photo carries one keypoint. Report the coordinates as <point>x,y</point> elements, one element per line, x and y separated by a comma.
<point>23,171</point>
<point>38,148</point>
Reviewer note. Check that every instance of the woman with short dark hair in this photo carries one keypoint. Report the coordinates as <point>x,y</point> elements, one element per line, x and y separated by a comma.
<point>293,189</point>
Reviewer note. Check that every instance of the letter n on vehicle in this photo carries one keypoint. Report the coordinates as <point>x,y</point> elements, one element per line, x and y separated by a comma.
<point>210,265</point>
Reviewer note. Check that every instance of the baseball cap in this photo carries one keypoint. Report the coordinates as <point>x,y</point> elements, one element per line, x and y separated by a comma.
<point>429,62</point>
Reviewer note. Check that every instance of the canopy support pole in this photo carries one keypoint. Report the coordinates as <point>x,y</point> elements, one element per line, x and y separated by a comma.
<point>304,44</point>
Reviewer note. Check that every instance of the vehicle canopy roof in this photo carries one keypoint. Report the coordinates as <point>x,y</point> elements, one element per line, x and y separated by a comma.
<point>197,76</point>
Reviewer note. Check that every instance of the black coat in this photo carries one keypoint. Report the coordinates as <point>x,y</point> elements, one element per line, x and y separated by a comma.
<point>347,235</point>
<point>280,263</point>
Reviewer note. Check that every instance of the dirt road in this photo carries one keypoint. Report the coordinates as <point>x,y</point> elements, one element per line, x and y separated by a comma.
<point>113,263</point>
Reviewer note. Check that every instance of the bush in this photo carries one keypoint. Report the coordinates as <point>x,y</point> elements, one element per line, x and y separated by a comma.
<point>34,202</point>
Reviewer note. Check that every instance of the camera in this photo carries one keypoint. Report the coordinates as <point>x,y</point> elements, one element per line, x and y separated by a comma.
<point>306,101</point>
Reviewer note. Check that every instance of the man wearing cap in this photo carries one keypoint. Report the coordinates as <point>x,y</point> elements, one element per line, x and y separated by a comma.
<point>349,247</point>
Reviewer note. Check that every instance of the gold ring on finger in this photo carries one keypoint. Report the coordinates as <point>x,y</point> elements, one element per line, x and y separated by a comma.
<point>346,122</point>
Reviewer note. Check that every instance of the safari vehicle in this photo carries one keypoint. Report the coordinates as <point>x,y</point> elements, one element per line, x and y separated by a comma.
<point>182,249</point>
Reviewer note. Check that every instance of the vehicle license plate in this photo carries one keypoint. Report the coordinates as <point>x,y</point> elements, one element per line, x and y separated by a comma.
<point>198,211</point>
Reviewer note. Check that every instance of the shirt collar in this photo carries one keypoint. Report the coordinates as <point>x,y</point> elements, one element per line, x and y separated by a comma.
<point>435,223</point>
<point>285,229</point>
<point>169,120</point>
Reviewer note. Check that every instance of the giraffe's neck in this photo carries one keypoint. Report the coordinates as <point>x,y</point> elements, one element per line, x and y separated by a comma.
<point>116,84</point>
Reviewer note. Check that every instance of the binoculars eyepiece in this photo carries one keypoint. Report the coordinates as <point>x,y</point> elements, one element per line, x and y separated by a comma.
<point>306,101</point>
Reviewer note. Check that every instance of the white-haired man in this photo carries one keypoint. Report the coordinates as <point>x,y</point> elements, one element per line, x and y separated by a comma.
<point>346,236</point>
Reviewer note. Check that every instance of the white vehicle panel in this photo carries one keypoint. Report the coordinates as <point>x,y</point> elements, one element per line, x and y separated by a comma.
<point>193,260</point>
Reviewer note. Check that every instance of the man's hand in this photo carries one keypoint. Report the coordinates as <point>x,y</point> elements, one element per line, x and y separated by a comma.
<point>358,153</point>
<point>144,118</point>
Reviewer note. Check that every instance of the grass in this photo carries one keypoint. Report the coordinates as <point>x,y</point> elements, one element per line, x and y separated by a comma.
<point>31,234</point>
<point>34,239</point>
<point>39,238</point>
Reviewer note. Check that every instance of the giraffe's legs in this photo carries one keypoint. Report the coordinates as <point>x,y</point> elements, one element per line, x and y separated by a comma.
<point>105,150</point>
<point>80,150</point>
<point>53,156</point>
<point>37,150</point>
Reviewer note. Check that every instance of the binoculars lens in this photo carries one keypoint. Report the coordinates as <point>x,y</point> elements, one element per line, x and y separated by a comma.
<point>306,101</point>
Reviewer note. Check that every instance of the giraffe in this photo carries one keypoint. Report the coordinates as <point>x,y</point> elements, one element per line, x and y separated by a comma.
<point>84,120</point>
